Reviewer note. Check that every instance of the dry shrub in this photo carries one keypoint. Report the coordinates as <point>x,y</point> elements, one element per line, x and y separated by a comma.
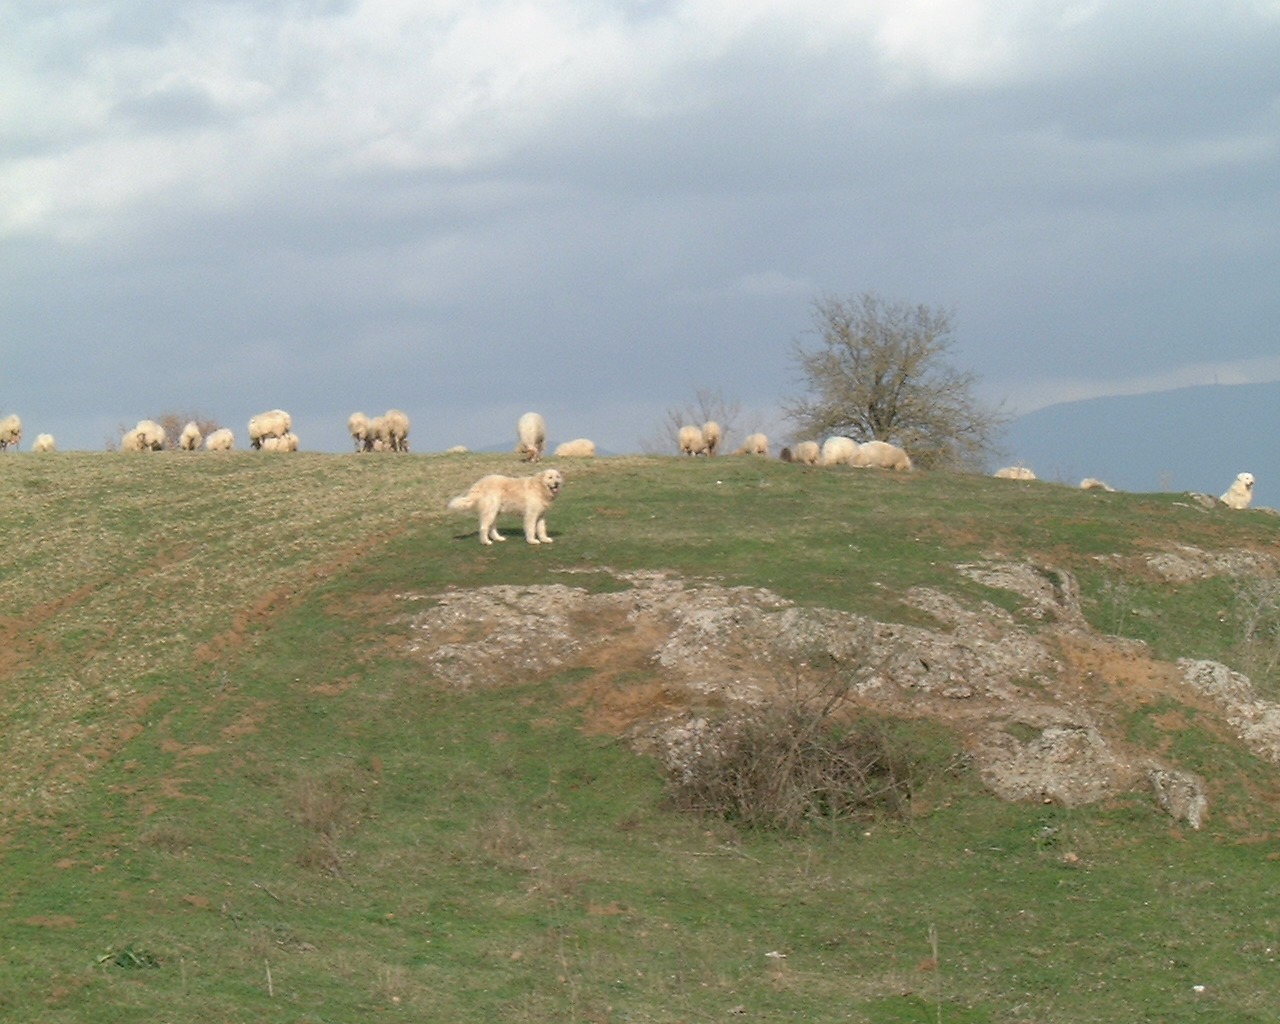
<point>809,756</point>
<point>173,421</point>
<point>167,837</point>
<point>330,807</point>
<point>1258,612</point>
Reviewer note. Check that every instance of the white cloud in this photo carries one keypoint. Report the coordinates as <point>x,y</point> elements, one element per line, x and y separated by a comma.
<point>108,112</point>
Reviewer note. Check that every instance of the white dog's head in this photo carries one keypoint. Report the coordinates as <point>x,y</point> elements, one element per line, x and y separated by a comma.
<point>552,481</point>
<point>1245,480</point>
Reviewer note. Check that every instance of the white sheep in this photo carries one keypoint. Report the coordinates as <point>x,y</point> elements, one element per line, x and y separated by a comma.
<point>397,430</point>
<point>1090,483</point>
<point>44,443</point>
<point>377,436</point>
<point>147,436</point>
<point>286,442</point>
<point>358,428</point>
<point>579,449</point>
<point>713,435</point>
<point>220,441</point>
<point>837,451</point>
<point>880,455</point>
<point>190,439</point>
<point>806,453</point>
<point>531,429</point>
<point>457,449</point>
<point>755,444</point>
<point>1014,473</point>
<point>691,441</point>
<point>275,423</point>
<point>10,431</point>
<point>1240,493</point>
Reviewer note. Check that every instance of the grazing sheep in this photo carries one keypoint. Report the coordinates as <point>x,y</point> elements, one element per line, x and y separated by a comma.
<point>691,441</point>
<point>220,441</point>
<point>755,444</point>
<point>10,431</point>
<point>531,434</point>
<point>190,439</point>
<point>1093,484</point>
<point>785,455</point>
<point>378,436</point>
<point>147,436</point>
<point>457,449</point>
<point>275,423</point>
<point>397,430</point>
<point>286,442</point>
<point>837,451</point>
<point>358,428</point>
<point>579,449</point>
<point>44,443</point>
<point>806,453</point>
<point>712,435</point>
<point>1240,493</point>
<point>1014,473</point>
<point>880,455</point>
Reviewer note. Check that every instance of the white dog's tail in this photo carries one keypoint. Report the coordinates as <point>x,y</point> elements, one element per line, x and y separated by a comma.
<point>463,501</point>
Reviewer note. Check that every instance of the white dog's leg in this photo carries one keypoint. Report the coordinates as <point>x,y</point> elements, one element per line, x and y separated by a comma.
<point>531,527</point>
<point>542,531</point>
<point>488,531</point>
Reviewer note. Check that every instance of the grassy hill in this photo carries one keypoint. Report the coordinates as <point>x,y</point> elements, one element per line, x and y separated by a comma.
<point>231,790</point>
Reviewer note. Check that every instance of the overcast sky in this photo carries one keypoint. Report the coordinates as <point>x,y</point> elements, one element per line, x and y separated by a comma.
<point>469,209</point>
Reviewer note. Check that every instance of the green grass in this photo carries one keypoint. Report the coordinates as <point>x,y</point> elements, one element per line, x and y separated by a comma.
<point>218,762</point>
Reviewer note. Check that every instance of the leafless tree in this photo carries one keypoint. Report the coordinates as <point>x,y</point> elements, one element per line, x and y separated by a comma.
<point>880,372</point>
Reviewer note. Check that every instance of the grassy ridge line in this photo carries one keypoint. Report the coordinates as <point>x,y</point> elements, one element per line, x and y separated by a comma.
<point>119,571</point>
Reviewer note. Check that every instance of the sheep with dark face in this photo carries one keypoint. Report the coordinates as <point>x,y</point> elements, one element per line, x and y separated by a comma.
<point>190,439</point>
<point>10,431</point>
<point>275,423</point>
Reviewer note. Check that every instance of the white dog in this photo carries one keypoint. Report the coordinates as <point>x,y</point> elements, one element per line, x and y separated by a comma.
<point>531,496</point>
<point>1240,493</point>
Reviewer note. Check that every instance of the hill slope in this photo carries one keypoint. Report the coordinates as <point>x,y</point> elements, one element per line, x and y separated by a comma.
<point>1191,439</point>
<point>282,741</point>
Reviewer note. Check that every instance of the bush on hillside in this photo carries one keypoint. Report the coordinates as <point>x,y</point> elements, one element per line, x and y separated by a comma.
<point>809,756</point>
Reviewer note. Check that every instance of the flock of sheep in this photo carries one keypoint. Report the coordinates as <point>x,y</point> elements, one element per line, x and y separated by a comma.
<point>272,432</point>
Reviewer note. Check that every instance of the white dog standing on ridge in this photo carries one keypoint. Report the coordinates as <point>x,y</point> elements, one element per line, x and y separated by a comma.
<point>530,496</point>
<point>1240,493</point>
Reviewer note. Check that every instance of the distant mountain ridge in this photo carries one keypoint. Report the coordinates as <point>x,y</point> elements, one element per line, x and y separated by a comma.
<point>1189,439</point>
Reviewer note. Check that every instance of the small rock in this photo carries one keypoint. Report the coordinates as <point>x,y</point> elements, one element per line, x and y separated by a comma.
<point>1180,794</point>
